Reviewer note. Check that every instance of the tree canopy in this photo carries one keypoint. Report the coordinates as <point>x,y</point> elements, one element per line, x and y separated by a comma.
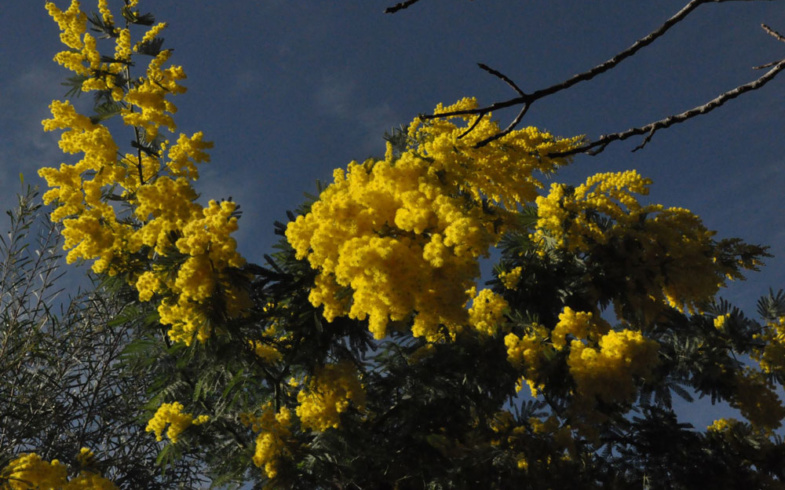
<point>368,351</point>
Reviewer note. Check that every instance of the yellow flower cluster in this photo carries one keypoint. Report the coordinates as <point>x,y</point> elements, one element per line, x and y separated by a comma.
<point>719,322</point>
<point>73,33</point>
<point>487,311</point>
<point>757,400</point>
<point>403,235</point>
<point>666,253</point>
<point>332,390</point>
<point>511,278</point>
<point>171,414</point>
<point>150,35</point>
<point>609,373</point>
<point>722,425</point>
<point>580,324</point>
<point>549,435</point>
<point>274,431</point>
<point>772,356</point>
<point>164,219</point>
<point>29,472</point>
<point>266,352</point>
<point>148,106</point>
<point>528,353</point>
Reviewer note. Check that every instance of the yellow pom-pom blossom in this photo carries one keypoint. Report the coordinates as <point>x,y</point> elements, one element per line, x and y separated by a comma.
<point>511,278</point>
<point>161,217</point>
<point>608,373</point>
<point>667,253</point>
<point>404,234</point>
<point>722,425</point>
<point>29,472</point>
<point>266,352</point>
<point>271,443</point>
<point>332,390</point>
<point>580,324</point>
<point>529,353</point>
<point>171,414</point>
<point>487,311</point>
<point>719,322</point>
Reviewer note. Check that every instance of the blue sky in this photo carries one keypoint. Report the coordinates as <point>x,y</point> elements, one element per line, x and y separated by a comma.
<point>290,90</point>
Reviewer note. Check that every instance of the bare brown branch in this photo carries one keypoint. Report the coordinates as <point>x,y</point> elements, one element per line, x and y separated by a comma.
<point>773,33</point>
<point>600,144</point>
<point>400,6</point>
<point>526,100</point>
<point>614,61</point>
<point>503,77</point>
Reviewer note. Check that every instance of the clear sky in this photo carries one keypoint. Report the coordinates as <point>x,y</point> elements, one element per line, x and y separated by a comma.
<point>289,90</point>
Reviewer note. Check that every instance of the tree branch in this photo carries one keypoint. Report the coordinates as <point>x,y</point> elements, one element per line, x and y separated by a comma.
<point>526,100</point>
<point>400,6</point>
<point>599,145</point>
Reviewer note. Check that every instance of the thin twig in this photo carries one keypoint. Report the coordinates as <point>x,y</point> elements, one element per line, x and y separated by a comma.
<point>400,6</point>
<point>599,145</point>
<point>614,61</point>
<point>773,33</point>
<point>502,76</point>
<point>506,130</point>
<point>474,125</point>
<point>528,99</point>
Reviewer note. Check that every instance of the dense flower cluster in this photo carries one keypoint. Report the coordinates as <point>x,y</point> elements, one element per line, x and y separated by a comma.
<point>722,425</point>
<point>333,389</point>
<point>771,356</point>
<point>758,401</point>
<point>487,311</point>
<point>29,472</point>
<point>579,324</point>
<point>271,443</point>
<point>404,234</point>
<point>529,354</point>
<point>171,414</point>
<point>608,373</point>
<point>162,217</point>
<point>511,278</point>
<point>666,253</point>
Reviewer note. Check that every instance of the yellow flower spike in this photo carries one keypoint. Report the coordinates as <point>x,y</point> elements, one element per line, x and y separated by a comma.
<point>106,13</point>
<point>156,184</point>
<point>187,152</point>
<point>72,22</point>
<point>123,47</point>
<point>151,34</point>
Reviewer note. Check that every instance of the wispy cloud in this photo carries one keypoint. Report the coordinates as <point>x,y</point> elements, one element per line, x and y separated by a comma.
<point>26,148</point>
<point>339,96</point>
